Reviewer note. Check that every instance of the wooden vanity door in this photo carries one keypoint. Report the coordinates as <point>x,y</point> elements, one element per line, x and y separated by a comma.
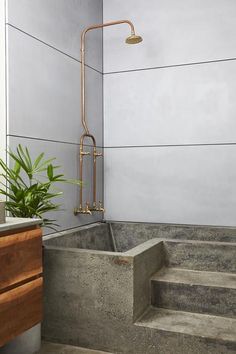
<point>21,282</point>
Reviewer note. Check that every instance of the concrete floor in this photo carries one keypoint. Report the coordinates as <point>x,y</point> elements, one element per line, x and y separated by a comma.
<point>53,348</point>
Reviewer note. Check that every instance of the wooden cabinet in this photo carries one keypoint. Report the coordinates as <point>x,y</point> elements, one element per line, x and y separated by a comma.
<point>21,281</point>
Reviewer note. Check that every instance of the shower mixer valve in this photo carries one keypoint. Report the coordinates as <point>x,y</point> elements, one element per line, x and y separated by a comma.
<point>88,210</point>
<point>98,208</point>
<point>97,154</point>
<point>82,210</point>
<point>85,153</point>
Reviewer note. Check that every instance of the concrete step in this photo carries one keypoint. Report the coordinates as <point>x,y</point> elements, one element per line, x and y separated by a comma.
<point>195,291</point>
<point>213,329</point>
<point>201,255</point>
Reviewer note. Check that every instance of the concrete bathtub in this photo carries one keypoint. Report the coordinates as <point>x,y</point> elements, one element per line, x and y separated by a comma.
<point>97,284</point>
<point>87,284</point>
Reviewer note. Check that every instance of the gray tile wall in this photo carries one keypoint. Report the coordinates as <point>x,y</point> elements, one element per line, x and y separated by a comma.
<point>59,23</point>
<point>2,83</point>
<point>169,112</point>
<point>43,48</point>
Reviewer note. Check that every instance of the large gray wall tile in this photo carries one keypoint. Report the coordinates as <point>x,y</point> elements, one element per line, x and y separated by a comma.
<point>44,92</point>
<point>60,23</point>
<point>67,157</point>
<point>189,104</point>
<point>3,97</point>
<point>192,185</point>
<point>174,32</point>
<point>179,105</point>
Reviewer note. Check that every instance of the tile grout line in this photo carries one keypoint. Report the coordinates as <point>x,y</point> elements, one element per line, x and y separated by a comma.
<point>48,140</point>
<point>123,146</point>
<point>52,47</point>
<point>171,66</point>
<point>169,145</point>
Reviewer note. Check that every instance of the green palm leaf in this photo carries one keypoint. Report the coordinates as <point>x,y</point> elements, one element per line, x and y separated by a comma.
<point>29,194</point>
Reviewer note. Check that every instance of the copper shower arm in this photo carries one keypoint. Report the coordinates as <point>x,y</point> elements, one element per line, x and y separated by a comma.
<point>83,111</point>
<point>101,25</point>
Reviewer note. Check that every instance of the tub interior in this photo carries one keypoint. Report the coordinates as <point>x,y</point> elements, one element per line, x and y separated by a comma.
<point>95,237</point>
<point>121,237</point>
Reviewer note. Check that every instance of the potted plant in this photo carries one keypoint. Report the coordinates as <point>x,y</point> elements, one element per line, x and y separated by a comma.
<point>29,186</point>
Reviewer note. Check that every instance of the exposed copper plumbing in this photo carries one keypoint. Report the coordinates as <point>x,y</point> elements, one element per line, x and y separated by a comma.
<point>87,209</point>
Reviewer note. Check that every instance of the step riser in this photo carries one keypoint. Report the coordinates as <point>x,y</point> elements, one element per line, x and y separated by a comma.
<point>216,332</point>
<point>201,256</point>
<point>194,298</point>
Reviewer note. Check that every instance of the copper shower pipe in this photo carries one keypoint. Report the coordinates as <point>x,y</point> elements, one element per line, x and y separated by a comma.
<point>82,53</point>
<point>87,209</point>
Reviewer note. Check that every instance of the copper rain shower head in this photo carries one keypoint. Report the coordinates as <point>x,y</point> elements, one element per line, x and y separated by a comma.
<point>133,39</point>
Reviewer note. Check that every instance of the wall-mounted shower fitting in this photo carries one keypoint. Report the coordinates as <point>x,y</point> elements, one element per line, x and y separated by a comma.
<point>82,154</point>
<point>97,207</point>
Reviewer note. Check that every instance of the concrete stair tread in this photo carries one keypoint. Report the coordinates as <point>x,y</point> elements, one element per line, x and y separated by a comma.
<point>200,325</point>
<point>194,277</point>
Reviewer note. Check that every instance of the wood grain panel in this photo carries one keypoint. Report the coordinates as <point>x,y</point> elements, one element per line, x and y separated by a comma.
<point>20,257</point>
<point>20,309</point>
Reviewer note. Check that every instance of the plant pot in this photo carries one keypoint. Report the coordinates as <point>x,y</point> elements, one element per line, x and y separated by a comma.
<point>2,212</point>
